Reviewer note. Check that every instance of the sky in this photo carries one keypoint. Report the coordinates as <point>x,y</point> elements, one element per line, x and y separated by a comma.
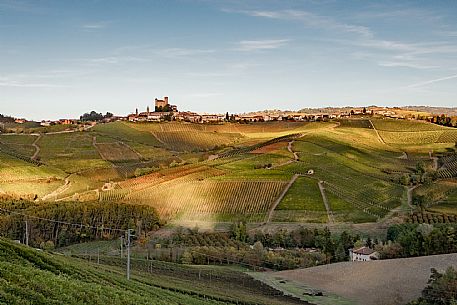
<point>62,58</point>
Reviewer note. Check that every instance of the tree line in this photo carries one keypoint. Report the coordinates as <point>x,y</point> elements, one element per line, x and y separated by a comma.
<point>90,221</point>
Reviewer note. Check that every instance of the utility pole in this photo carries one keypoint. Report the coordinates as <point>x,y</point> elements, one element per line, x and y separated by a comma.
<point>26,232</point>
<point>122,246</point>
<point>128,254</point>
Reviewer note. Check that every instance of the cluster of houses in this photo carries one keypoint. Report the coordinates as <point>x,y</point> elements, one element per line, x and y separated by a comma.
<point>165,111</point>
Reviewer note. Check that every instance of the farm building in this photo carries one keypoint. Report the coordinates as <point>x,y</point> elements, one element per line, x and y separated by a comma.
<point>362,254</point>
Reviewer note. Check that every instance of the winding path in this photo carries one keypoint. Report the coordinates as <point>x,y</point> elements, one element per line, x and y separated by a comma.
<point>289,148</point>
<point>37,148</point>
<point>410,195</point>
<point>331,219</point>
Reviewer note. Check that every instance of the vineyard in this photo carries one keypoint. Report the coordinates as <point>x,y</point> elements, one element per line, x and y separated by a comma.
<point>187,141</point>
<point>405,126</point>
<point>448,166</point>
<point>230,171</point>
<point>71,152</point>
<point>302,200</point>
<point>431,218</point>
<point>205,200</point>
<point>59,279</point>
<point>116,152</point>
<point>355,123</point>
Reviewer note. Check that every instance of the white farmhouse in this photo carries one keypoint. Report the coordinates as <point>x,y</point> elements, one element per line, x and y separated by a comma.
<point>362,254</point>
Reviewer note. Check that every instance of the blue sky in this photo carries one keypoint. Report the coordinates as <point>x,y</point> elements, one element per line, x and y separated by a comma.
<point>63,58</point>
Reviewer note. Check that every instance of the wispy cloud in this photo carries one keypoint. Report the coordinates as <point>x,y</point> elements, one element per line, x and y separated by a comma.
<point>113,60</point>
<point>432,81</point>
<point>254,45</point>
<point>204,94</point>
<point>182,52</point>
<point>310,19</point>
<point>91,26</point>
<point>406,64</point>
<point>6,82</point>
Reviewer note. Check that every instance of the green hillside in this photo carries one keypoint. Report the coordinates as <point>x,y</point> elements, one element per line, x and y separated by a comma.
<point>28,276</point>
<point>229,172</point>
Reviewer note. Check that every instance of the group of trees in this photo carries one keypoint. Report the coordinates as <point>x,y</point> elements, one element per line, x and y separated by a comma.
<point>420,175</point>
<point>94,116</point>
<point>280,250</point>
<point>444,120</point>
<point>6,119</point>
<point>73,222</point>
<point>441,289</point>
<point>406,240</point>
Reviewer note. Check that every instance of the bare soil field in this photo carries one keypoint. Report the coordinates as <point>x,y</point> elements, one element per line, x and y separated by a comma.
<point>269,148</point>
<point>383,282</point>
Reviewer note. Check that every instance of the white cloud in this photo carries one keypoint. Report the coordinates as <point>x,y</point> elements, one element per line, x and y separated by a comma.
<point>312,20</point>
<point>95,25</point>
<point>182,52</point>
<point>5,82</point>
<point>254,45</point>
<point>114,59</point>
<point>406,64</point>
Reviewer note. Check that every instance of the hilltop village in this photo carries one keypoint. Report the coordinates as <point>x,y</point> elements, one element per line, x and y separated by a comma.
<point>163,110</point>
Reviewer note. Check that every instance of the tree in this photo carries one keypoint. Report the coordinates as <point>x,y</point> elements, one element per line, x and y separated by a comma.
<point>340,253</point>
<point>227,117</point>
<point>369,243</point>
<point>420,168</point>
<point>364,110</point>
<point>441,289</point>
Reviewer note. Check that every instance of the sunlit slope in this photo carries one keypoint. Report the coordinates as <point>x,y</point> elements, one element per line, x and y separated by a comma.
<point>414,132</point>
<point>225,172</point>
<point>31,277</point>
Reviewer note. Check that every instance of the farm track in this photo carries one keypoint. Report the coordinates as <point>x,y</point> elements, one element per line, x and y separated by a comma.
<point>284,192</point>
<point>410,195</point>
<point>331,219</point>
<point>434,159</point>
<point>289,148</point>
<point>59,190</point>
<point>157,138</point>
<point>37,148</point>
<point>377,133</point>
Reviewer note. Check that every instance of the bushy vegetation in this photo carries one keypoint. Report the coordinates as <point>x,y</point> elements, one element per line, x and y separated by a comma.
<point>406,240</point>
<point>73,222</point>
<point>441,289</point>
<point>279,251</point>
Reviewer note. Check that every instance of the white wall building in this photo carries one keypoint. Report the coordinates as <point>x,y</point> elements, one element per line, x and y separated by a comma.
<point>362,254</point>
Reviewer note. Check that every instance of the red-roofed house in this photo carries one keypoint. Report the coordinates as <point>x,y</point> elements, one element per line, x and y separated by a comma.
<point>362,254</point>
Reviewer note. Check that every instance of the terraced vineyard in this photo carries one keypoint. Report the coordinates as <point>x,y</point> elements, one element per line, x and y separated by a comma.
<point>219,200</point>
<point>414,132</point>
<point>188,141</point>
<point>448,166</point>
<point>116,152</point>
<point>167,166</point>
